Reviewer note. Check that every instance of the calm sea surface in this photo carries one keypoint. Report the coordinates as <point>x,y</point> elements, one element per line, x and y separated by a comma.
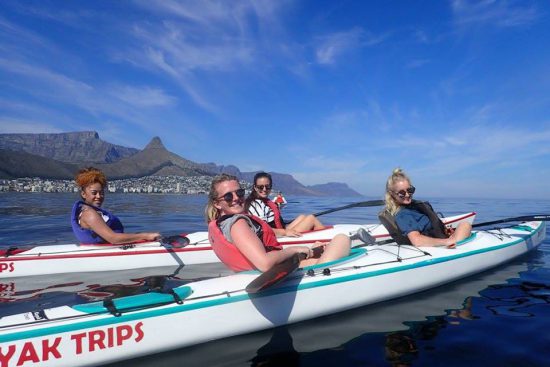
<point>496,318</point>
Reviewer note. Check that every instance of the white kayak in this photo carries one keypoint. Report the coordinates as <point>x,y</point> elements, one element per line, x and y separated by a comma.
<point>102,332</point>
<point>72,258</point>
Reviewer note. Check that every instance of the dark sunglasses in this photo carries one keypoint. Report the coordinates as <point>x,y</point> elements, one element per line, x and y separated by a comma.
<point>263,187</point>
<point>403,193</point>
<point>228,196</point>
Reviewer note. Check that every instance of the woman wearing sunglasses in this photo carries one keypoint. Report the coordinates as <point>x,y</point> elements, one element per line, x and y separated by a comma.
<point>415,222</point>
<point>91,223</point>
<point>244,242</point>
<point>260,205</point>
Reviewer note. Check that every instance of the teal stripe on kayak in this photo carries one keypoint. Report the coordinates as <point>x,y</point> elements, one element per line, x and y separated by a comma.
<point>137,301</point>
<point>470,238</point>
<point>523,228</point>
<point>155,298</point>
<point>354,253</point>
<point>328,280</point>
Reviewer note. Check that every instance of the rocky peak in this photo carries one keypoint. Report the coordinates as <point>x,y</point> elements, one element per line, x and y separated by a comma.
<point>155,143</point>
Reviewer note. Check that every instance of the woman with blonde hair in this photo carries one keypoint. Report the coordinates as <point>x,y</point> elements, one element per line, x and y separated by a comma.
<point>415,222</point>
<point>245,242</point>
<point>92,224</point>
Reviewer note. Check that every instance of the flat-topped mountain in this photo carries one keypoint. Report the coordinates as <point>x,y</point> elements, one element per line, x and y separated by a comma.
<point>72,147</point>
<point>153,160</point>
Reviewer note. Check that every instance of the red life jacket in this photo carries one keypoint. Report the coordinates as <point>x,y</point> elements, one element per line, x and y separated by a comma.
<point>229,254</point>
<point>279,224</point>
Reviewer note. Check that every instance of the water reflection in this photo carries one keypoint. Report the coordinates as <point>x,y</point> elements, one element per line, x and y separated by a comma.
<point>33,293</point>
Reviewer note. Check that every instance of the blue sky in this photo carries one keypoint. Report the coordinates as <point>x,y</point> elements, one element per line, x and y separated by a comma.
<point>457,93</point>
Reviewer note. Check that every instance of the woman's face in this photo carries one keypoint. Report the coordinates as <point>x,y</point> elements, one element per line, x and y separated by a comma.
<point>402,191</point>
<point>230,198</point>
<point>262,186</point>
<point>93,194</point>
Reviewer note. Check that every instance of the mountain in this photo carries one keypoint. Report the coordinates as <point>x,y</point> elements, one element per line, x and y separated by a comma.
<point>285,183</point>
<point>153,160</point>
<point>335,189</point>
<point>22,164</point>
<point>74,147</point>
<point>218,169</point>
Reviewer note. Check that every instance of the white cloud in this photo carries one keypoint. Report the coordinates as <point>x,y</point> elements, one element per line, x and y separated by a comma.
<point>417,63</point>
<point>334,45</point>
<point>143,96</point>
<point>192,42</point>
<point>490,12</point>
<point>22,126</point>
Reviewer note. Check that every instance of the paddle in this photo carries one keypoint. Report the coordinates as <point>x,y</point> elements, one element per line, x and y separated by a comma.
<point>525,218</point>
<point>176,241</point>
<point>361,204</point>
<point>279,271</point>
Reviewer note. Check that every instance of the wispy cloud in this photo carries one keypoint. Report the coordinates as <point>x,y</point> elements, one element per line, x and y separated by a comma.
<point>199,40</point>
<point>495,13</point>
<point>21,126</point>
<point>474,147</point>
<point>332,46</point>
<point>142,96</point>
<point>417,63</point>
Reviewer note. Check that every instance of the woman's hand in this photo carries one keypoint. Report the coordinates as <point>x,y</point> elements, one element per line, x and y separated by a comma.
<point>321,246</point>
<point>449,231</point>
<point>151,236</point>
<point>292,232</point>
<point>303,250</point>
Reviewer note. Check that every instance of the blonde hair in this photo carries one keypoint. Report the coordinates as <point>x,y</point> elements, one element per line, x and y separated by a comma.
<point>397,175</point>
<point>89,176</point>
<point>211,212</point>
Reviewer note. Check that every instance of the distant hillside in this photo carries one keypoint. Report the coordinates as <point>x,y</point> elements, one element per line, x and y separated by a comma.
<point>335,189</point>
<point>216,170</point>
<point>284,183</point>
<point>73,147</point>
<point>21,164</point>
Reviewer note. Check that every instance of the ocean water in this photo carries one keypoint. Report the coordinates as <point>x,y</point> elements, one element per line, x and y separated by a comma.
<point>496,318</point>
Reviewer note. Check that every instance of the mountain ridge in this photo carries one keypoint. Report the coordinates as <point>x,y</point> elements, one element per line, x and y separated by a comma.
<point>153,160</point>
<point>81,147</point>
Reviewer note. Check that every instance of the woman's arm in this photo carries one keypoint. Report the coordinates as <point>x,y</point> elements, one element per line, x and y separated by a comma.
<point>92,220</point>
<point>253,249</point>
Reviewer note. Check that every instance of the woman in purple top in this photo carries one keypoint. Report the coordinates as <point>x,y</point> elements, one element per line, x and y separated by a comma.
<point>91,223</point>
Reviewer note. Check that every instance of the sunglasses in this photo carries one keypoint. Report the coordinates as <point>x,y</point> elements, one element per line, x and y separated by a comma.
<point>263,187</point>
<point>228,196</point>
<point>403,193</point>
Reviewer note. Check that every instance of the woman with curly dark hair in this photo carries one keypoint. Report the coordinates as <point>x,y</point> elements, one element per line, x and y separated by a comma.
<point>92,224</point>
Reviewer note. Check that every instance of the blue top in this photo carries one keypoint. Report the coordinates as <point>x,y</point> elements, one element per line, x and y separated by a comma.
<point>85,235</point>
<point>409,220</point>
